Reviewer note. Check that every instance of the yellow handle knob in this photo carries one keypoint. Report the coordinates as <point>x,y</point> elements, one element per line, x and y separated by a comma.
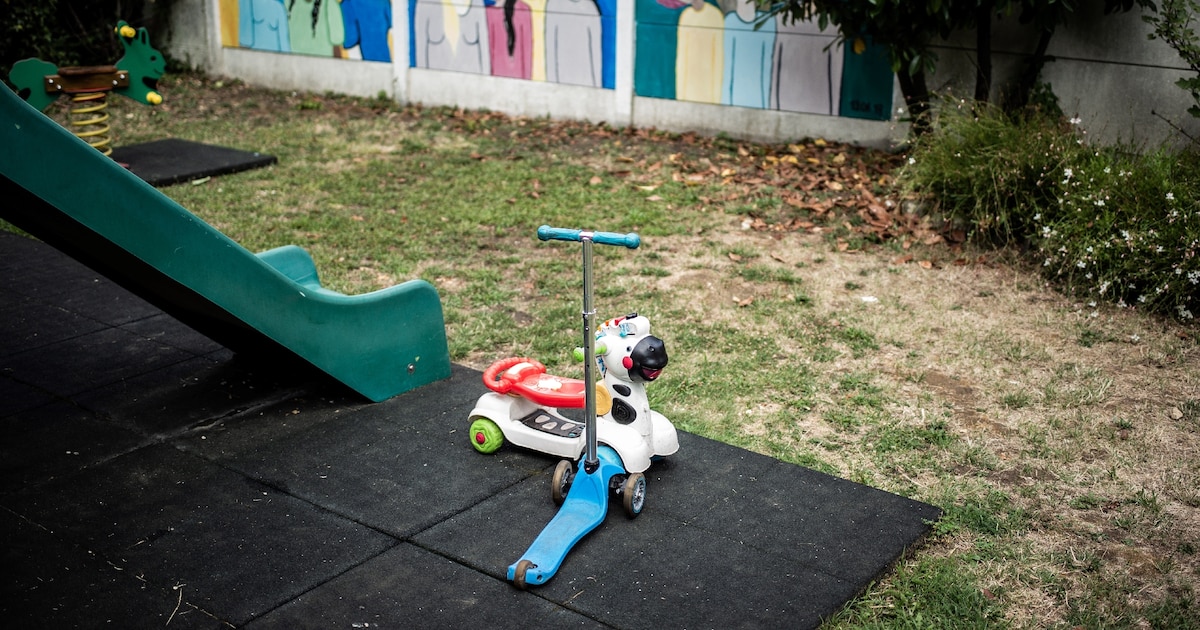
<point>127,32</point>
<point>154,98</point>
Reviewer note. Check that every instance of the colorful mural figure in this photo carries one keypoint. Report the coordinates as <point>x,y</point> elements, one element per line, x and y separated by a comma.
<point>573,42</point>
<point>367,23</point>
<point>452,35</point>
<point>510,38</point>
<point>807,69</point>
<point>709,51</point>
<point>700,53</point>
<point>866,82</point>
<point>746,79</point>
<point>315,27</point>
<point>657,34</point>
<point>263,25</point>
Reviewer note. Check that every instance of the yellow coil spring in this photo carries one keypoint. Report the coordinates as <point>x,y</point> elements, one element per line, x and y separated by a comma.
<point>89,120</point>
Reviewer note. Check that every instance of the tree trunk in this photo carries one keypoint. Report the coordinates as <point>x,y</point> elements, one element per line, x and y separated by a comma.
<point>983,51</point>
<point>916,97</point>
<point>1019,98</point>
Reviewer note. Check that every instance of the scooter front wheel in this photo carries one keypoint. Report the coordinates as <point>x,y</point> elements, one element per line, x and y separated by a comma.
<point>523,567</point>
<point>560,483</point>
<point>633,494</point>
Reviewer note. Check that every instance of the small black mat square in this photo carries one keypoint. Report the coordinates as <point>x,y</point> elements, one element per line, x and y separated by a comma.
<point>171,161</point>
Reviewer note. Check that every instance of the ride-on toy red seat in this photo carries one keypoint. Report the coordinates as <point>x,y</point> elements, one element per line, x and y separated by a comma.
<point>528,378</point>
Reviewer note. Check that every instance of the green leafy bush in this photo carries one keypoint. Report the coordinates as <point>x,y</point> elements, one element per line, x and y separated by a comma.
<point>1105,224</point>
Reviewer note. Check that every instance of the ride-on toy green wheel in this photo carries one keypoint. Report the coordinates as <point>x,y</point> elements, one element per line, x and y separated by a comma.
<point>486,437</point>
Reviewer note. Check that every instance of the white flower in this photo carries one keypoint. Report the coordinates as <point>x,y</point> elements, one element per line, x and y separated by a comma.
<point>912,160</point>
<point>1134,338</point>
<point>1037,217</point>
<point>1089,249</point>
<point>1099,203</point>
<point>1107,170</point>
<point>1046,231</point>
<point>1081,264</point>
<point>1076,120</point>
<point>1047,264</point>
<point>1170,196</point>
<point>1092,304</point>
<point>1067,173</point>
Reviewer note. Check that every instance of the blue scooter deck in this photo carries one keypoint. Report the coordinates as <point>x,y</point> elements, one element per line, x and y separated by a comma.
<point>583,509</point>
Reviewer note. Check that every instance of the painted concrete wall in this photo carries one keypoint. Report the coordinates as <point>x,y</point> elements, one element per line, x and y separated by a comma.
<point>672,64</point>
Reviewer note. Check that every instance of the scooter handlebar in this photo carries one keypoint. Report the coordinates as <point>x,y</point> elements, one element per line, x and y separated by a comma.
<point>630,240</point>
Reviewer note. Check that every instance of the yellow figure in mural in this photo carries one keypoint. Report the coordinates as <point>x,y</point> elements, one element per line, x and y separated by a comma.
<point>700,56</point>
<point>229,22</point>
<point>537,14</point>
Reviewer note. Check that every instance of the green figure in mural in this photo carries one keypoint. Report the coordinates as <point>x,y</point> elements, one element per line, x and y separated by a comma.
<point>315,26</point>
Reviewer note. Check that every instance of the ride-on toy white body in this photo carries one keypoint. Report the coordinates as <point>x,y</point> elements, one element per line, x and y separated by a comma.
<point>615,442</point>
<point>527,412</point>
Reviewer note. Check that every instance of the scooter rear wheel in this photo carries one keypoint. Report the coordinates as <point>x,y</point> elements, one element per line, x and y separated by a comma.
<point>560,483</point>
<point>633,494</point>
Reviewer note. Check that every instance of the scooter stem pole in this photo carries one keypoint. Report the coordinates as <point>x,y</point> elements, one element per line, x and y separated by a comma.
<point>591,460</point>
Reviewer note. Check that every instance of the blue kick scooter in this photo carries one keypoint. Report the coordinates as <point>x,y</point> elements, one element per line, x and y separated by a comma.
<point>583,494</point>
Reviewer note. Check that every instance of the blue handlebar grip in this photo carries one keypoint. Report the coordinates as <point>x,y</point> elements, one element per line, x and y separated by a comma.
<point>630,240</point>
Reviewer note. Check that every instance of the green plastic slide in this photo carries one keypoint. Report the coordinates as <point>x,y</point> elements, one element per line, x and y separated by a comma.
<point>56,187</point>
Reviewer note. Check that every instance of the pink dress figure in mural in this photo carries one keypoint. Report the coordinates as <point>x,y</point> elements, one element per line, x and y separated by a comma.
<point>452,35</point>
<point>510,38</point>
<point>573,52</point>
<point>807,77</point>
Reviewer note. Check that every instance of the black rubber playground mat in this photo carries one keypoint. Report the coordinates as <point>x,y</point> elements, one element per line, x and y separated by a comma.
<point>149,477</point>
<point>171,161</point>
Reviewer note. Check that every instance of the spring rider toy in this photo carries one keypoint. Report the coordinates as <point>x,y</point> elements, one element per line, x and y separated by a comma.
<point>135,75</point>
<point>619,436</point>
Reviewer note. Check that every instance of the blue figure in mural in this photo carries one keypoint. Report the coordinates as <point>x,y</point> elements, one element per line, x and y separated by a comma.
<point>748,58</point>
<point>573,50</point>
<point>608,42</point>
<point>263,25</point>
<point>367,23</point>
